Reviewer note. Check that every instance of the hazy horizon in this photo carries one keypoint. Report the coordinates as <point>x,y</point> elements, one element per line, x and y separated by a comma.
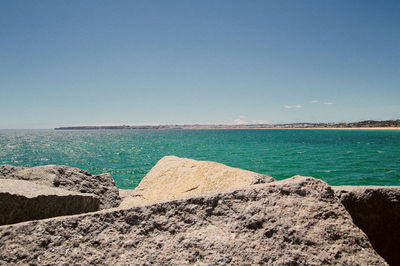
<point>181,124</point>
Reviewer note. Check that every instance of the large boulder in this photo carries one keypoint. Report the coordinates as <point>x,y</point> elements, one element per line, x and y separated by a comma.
<point>68,178</point>
<point>295,221</point>
<point>23,201</point>
<point>376,210</point>
<point>173,177</point>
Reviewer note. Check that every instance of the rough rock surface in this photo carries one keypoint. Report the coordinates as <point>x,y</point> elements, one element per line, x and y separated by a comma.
<point>376,210</point>
<point>7,170</point>
<point>173,177</point>
<point>295,221</point>
<point>68,178</point>
<point>23,201</point>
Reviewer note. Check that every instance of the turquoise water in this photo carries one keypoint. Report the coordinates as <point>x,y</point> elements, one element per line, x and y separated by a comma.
<point>354,157</point>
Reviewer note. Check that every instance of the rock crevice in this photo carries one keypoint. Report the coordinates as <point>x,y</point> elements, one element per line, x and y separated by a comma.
<point>376,210</point>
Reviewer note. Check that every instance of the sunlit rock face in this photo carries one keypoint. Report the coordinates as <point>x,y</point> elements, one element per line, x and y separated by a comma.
<point>173,177</point>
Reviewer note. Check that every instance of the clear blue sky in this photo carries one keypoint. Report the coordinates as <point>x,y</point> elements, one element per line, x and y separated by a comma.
<point>139,62</point>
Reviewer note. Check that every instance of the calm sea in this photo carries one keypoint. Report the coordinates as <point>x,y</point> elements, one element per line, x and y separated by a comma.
<point>354,157</point>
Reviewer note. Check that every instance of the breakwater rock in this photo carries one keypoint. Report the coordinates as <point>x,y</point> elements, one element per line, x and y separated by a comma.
<point>376,210</point>
<point>173,177</point>
<point>23,201</point>
<point>295,221</point>
<point>67,178</point>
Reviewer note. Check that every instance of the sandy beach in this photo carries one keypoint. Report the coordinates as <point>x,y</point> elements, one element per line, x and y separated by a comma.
<point>348,128</point>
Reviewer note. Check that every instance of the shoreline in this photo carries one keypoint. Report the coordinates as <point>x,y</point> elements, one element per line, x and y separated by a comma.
<point>368,124</point>
<point>340,128</point>
<point>239,128</point>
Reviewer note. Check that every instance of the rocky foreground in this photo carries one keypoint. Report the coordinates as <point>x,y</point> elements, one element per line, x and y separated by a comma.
<point>300,220</point>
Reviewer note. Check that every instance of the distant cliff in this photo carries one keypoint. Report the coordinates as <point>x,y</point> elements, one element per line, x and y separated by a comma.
<point>367,123</point>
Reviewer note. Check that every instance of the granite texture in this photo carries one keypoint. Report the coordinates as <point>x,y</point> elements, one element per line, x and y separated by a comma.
<point>68,178</point>
<point>295,221</point>
<point>376,210</point>
<point>23,201</point>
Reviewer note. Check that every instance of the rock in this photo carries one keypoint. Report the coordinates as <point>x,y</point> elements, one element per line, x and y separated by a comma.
<point>376,210</point>
<point>7,170</point>
<point>295,221</point>
<point>174,177</point>
<point>68,178</point>
<point>23,201</point>
<point>125,194</point>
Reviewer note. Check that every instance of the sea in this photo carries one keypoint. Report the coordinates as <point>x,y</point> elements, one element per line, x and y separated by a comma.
<point>339,157</point>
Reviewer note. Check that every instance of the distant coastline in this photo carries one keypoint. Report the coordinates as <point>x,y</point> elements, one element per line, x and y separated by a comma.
<point>368,124</point>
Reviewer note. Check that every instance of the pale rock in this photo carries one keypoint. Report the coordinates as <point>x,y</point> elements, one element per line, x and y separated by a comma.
<point>173,177</point>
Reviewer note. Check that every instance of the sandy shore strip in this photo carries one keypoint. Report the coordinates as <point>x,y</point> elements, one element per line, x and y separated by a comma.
<point>345,128</point>
<point>309,128</point>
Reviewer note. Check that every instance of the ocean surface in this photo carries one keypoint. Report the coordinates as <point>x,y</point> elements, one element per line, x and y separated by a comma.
<point>339,157</point>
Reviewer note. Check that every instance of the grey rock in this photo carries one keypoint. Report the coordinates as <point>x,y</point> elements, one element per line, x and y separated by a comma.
<point>376,210</point>
<point>295,221</point>
<point>68,178</point>
<point>23,201</point>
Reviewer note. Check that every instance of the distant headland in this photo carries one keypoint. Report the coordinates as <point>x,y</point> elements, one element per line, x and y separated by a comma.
<point>368,124</point>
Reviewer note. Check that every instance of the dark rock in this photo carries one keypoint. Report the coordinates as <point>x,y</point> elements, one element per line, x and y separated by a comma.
<point>376,210</point>
<point>7,170</point>
<point>295,221</point>
<point>68,178</point>
<point>23,201</point>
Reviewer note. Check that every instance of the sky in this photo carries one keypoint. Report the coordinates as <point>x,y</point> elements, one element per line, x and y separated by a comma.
<point>93,62</point>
